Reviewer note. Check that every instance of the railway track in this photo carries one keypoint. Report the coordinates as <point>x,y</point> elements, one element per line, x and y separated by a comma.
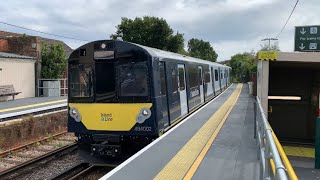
<point>27,166</point>
<point>13,150</point>
<point>85,171</point>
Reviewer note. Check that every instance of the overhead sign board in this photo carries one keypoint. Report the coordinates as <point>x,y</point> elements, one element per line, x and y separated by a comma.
<point>268,55</point>
<point>307,38</point>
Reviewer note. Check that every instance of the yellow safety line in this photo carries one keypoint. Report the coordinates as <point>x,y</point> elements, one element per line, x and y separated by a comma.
<point>285,159</point>
<point>299,151</point>
<point>180,164</point>
<point>182,117</point>
<point>32,105</point>
<point>204,151</point>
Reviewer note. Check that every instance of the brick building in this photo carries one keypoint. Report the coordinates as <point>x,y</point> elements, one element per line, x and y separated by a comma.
<point>26,45</point>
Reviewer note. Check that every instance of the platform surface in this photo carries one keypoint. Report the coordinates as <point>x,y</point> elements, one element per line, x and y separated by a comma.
<point>29,103</point>
<point>233,155</point>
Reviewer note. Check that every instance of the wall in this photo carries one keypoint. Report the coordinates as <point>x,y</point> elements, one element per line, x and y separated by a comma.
<point>20,74</point>
<point>263,83</point>
<point>4,45</point>
<point>23,46</point>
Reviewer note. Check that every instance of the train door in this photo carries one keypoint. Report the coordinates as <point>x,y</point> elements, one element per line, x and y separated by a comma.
<point>212,80</point>
<point>216,81</point>
<point>226,76</point>
<point>220,79</point>
<point>173,93</point>
<point>163,94</point>
<point>182,89</point>
<point>201,83</point>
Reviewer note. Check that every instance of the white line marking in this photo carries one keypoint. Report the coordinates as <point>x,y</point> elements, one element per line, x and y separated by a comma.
<point>19,113</point>
<point>112,172</point>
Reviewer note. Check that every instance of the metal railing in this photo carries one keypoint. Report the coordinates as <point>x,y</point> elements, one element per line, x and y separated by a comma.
<point>52,87</point>
<point>274,163</point>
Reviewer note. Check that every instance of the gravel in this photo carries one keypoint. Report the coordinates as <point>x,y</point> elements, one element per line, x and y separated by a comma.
<point>35,151</point>
<point>30,153</point>
<point>5,165</point>
<point>53,168</point>
<point>16,159</point>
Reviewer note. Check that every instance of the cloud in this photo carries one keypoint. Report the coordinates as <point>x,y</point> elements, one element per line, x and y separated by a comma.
<point>232,26</point>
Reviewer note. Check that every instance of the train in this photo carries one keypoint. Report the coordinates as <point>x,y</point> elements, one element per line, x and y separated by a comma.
<point>123,94</point>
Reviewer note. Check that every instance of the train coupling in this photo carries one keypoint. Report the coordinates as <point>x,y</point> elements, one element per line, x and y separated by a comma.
<point>105,150</point>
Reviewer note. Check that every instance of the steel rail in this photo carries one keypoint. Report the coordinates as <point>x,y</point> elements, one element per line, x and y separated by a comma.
<point>31,162</point>
<point>81,170</point>
<point>9,151</point>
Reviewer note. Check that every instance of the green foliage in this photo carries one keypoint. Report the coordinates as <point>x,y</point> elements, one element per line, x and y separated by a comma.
<point>201,49</point>
<point>273,47</point>
<point>156,32</point>
<point>149,31</point>
<point>242,66</point>
<point>176,43</point>
<point>54,60</point>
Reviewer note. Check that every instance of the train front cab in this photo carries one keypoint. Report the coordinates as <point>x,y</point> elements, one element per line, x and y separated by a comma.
<point>110,97</point>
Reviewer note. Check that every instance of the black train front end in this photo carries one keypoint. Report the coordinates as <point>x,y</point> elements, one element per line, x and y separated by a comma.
<point>111,104</point>
<point>123,95</point>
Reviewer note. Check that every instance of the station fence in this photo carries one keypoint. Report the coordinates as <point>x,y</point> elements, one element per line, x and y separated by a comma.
<point>52,87</point>
<point>274,163</point>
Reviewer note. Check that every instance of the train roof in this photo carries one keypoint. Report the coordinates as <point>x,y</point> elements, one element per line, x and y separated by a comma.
<point>167,54</point>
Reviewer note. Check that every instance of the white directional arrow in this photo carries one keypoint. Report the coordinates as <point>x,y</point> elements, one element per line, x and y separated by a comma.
<point>301,46</point>
<point>303,31</point>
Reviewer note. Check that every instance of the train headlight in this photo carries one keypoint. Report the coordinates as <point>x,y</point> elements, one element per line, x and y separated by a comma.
<point>145,112</point>
<point>143,115</point>
<point>103,45</point>
<point>74,113</point>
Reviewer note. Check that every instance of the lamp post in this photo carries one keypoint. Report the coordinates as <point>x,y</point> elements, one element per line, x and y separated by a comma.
<point>269,39</point>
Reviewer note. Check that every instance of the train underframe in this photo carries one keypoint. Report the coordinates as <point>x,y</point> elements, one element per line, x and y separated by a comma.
<point>99,148</point>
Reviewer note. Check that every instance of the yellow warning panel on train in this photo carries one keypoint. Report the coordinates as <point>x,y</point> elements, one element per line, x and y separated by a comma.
<point>268,55</point>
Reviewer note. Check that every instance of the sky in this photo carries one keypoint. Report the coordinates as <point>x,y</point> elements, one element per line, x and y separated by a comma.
<point>231,26</point>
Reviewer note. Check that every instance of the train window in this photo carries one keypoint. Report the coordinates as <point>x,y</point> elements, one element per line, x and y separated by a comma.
<point>200,75</point>
<point>207,77</point>
<point>181,79</point>
<point>163,80</point>
<point>216,75</point>
<point>133,79</point>
<point>105,81</point>
<point>193,77</point>
<point>81,81</point>
<point>174,80</point>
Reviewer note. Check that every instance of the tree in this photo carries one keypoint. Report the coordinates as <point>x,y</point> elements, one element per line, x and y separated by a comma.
<point>273,47</point>
<point>54,60</point>
<point>201,49</point>
<point>242,64</point>
<point>176,43</point>
<point>149,31</point>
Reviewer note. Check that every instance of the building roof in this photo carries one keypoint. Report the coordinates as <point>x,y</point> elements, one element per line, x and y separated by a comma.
<point>66,48</point>
<point>6,35</point>
<point>11,55</point>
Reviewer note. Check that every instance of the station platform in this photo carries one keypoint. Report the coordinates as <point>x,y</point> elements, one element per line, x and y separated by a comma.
<point>7,107</point>
<point>215,142</point>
